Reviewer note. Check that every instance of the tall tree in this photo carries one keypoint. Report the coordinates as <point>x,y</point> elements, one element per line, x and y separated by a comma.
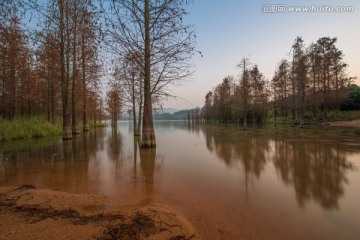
<point>244,65</point>
<point>64,72</point>
<point>113,100</point>
<point>338,76</point>
<point>74,123</point>
<point>131,76</point>
<point>326,44</point>
<point>313,52</point>
<point>225,99</point>
<point>208,106</point>
<point>89,55</point>
<point>155,29</point>
<point>48,69</point>
<point>83,70</point>
<point>258,95</point>
<point>281,83</point>
<point>299,80</point>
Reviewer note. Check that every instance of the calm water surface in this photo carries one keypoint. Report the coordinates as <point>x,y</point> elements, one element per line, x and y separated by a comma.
<point>231,184</point>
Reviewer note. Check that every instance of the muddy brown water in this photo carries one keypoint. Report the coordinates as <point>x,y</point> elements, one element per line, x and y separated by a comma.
<point>263,183</point>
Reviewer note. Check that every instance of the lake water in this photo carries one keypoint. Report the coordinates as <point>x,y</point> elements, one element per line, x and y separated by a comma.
<point>230,184</point>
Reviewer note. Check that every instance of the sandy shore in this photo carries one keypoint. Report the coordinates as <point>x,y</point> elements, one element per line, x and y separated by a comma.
<point>29,213</point>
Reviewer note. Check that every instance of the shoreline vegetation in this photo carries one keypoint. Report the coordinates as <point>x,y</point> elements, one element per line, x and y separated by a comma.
<point>335,118</point>
<point>39,127</point>
<point>311,86</point>
<point>33,127</point>
<point>25,210</point>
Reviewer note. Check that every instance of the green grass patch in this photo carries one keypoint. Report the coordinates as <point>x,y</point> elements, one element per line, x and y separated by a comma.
<point>33,127</point>
<point>98,124</point>
<point>26,128</point>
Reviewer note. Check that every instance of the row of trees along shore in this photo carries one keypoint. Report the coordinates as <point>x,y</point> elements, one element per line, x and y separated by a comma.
<point>308,86</point>
<point>52,71</point>
<point>58,67</point>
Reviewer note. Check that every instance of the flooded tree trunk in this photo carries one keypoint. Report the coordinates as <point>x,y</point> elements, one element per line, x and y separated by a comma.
<point>148,133</point>
<point>140,111</point>
<point>85,119</point>
<point>64,80</point>
<point>75,124</point>
<point>136,130</point>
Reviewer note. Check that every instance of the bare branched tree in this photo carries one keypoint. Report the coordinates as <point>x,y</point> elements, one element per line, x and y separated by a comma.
<point>155,29</point>
<point>130,75</point>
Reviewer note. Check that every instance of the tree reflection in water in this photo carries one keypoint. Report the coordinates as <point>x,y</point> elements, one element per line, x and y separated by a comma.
<point>149,164</point>
<point>114,145</point>
<point>317,171</point>
<point>315,163</point>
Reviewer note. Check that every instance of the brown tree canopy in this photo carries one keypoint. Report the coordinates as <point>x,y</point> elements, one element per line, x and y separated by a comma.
<point>306,87</point>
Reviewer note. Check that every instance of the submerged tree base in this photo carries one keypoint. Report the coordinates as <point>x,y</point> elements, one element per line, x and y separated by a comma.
<point>76,131</point>
<point>148,144</point>
<point>67,133</point>
<point>148,138</point>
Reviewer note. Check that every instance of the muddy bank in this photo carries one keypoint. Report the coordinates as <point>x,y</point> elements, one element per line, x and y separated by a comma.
<point>29,213</point>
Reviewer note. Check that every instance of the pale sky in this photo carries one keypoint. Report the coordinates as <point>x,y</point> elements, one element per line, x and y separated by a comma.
<point>228,30</point>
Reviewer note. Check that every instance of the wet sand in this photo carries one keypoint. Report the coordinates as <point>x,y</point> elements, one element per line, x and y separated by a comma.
<point>29,213</point>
